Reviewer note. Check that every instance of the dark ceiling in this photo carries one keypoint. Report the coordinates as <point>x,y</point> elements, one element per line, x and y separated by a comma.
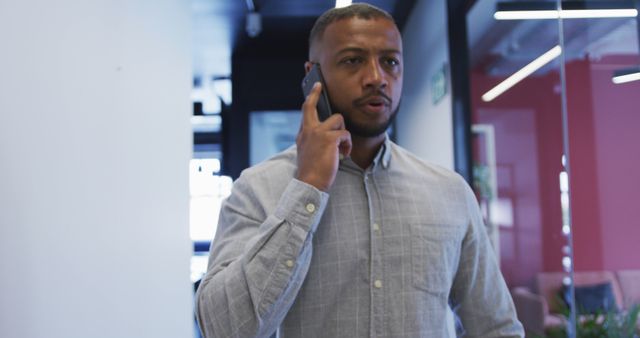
<point>500,48</point>
<point>219,26</point>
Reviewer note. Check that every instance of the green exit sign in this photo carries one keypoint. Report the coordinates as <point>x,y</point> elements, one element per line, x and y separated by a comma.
<point>439,84</point>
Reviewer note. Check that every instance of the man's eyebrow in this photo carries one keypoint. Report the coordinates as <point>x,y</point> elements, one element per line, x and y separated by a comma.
<point>350,50</point>
<point>362,50</point>
<point>391,51</point>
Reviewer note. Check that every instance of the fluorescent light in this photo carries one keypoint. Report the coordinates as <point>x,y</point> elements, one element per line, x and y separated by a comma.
<point>522,73</point>
<point>572,9</point>
<point>566,14</point>
<point>599,13</point>
<point>525,15</point>
<point>626,76</point>
<point>342,3</point>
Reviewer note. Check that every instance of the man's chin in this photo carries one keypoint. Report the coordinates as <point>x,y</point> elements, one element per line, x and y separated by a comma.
<point>366,131</point>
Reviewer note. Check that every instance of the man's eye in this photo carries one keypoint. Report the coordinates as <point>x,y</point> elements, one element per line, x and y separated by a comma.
<point>392,62</point>
<point>352,60</point>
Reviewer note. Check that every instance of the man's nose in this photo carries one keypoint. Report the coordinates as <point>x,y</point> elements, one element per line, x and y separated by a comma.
<point>374,75</point>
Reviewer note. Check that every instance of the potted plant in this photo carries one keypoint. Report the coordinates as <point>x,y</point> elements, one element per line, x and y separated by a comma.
<point>602,325</point>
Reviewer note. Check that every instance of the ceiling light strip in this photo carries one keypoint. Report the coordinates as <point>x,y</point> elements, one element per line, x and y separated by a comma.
<point>525,15</point>
<point>522,73</point>
<point>626,78</point>
<point>342,3</point>
<point>566,14</point>
<point>598,13</point>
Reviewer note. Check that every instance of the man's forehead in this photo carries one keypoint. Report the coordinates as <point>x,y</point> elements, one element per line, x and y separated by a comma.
<point>357,30</point>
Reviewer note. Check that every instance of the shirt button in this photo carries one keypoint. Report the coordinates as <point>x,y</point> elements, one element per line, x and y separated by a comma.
<point>377,284</point>
<point>289,263</point>
<point>376,227</point>
<point>311,208</point>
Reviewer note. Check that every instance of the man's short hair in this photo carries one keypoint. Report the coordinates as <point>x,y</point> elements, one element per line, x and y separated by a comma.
<point>359,10</point>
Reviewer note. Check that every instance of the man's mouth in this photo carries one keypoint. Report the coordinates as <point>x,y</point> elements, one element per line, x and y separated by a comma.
<point>374,101</point>
<point>374,105</point>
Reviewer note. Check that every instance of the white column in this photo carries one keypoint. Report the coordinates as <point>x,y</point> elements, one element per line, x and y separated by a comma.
<point>94,149</point>
<point>424,127</point>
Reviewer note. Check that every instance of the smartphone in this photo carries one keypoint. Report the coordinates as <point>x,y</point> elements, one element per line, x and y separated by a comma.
<point>315,75</point>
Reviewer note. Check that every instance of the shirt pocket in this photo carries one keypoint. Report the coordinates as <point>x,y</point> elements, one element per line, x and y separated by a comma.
<point>435,252</point>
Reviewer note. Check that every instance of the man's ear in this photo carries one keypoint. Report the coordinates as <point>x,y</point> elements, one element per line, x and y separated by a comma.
<point>307,67</point>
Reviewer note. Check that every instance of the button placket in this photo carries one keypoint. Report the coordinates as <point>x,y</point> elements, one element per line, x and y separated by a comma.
<point>311,208</point>
<point>376,228</point>
<point>376,273</point>
<point>377,284</point>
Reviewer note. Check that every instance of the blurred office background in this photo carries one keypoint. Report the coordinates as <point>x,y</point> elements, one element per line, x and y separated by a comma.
<point>124,124</point>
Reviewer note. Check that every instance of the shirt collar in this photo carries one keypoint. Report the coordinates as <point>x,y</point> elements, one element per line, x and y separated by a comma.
<point>386,157</point>
<point>382,158</point>
<point>384,154</point>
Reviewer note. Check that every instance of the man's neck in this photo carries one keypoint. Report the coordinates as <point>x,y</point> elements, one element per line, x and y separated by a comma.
<point>365,149</point>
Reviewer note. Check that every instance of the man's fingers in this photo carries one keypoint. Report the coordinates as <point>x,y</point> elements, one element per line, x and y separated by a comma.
<point>334,122</point>
<point>309,110</point>
<point>345,146</point>
<point>343,138</point>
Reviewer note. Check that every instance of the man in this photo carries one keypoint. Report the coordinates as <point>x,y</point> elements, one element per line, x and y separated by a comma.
<point>347,234</point>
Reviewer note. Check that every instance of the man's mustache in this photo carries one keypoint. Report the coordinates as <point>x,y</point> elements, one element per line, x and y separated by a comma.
<point>361,101</point>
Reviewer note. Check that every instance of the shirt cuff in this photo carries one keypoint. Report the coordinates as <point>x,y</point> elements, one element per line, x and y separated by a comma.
<point>302,204</point>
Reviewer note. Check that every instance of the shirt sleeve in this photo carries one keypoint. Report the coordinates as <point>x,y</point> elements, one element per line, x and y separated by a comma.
<point>256,265</point>
<point>480,296</point>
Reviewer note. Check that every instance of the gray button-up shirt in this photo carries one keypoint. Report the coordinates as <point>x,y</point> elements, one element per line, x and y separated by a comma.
<point>388,252</point>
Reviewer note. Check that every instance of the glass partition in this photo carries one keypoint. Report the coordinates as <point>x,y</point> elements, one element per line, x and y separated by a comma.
<point>556,150</point>
<point>518,153</point>
<point>601,61</point>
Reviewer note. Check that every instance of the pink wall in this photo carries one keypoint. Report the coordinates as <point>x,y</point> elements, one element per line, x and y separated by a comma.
<point>617,153</point>
<point>604,150</point>
<point>528,130</point>
<point>585,214</point>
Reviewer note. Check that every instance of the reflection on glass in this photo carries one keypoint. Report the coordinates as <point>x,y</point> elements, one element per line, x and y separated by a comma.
<point>516,92</point>
<point>522,73</point>
<point>602,121</point>
<point>571,222</point>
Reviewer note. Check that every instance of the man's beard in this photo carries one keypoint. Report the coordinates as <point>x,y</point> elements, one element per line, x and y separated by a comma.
<point>367,130</point>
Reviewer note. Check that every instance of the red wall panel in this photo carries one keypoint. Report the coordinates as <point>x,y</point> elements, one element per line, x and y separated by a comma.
<point>605,157</point>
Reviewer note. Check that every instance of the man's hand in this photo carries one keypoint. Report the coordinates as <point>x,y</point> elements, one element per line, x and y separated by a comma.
<point>320,144</point>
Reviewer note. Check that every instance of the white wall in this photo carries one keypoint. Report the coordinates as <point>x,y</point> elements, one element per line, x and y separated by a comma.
<point>422,127</point>
<point>94,150</point>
